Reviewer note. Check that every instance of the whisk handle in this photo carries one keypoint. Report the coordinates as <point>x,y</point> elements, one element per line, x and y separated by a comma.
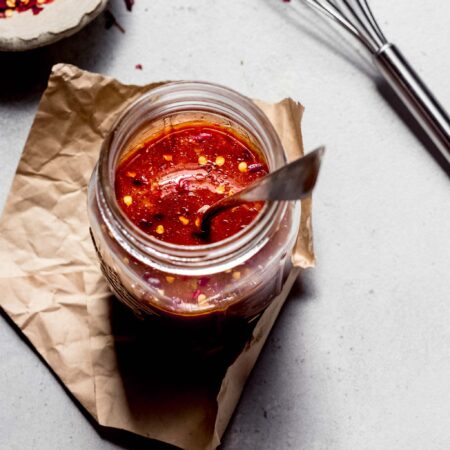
<point>416,96</point>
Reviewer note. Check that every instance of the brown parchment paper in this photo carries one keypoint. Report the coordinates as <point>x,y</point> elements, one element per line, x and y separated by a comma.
<point>53,290</point>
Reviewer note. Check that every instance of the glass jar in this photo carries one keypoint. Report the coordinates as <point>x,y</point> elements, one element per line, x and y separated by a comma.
<point>194,287</point>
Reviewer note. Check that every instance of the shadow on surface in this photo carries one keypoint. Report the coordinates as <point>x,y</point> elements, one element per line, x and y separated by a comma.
<point>177,366</point>
<point>309,23</point>
<point>131,441</point>
<point>120,438</point>
<point>146,356</point>
<point>319,29</point>
<point>408,119</point>
<point>252,425</point>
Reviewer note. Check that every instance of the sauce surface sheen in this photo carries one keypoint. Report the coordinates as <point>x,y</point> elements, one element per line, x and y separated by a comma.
<point>165,181</point>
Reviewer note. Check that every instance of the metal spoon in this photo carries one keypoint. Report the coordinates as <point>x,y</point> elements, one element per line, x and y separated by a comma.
<point>293,181</point>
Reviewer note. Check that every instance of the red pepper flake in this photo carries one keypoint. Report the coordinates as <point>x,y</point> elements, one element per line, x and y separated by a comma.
<point>129,4</point>
<point>139,181</point>
<point>183,185</point>
<point>255,168</point>
<point>150,279</point>
<point>36,9</point>
<point>7,7</point>
<point>202,137</point>
<point>110,21</point>
<point>203,281</point>
<point>138,67</point>
<point>145,224</point>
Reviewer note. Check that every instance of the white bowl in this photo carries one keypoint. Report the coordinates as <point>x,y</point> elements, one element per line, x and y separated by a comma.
<point>59,19</point>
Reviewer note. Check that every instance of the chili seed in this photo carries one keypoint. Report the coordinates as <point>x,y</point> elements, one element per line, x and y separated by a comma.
<point>167,157</point>
<point>160,229</point>
<point>128,200</point>
<point>149,278</point>
<point>183,220</point>
<point>220,189</point>
<point>236,275</point>
<point>242,166</point>
<point>143,223</point>
<point>220,161</point>
<point>170,279</point>
<point>202,160</point>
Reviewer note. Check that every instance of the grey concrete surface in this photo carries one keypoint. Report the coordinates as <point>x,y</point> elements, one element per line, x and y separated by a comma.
<point>360,356</point>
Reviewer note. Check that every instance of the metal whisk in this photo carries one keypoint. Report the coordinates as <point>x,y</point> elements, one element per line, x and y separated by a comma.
<point>356,17</point>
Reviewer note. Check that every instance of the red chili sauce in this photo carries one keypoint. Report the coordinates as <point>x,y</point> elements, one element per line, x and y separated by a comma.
<point>162,184</point>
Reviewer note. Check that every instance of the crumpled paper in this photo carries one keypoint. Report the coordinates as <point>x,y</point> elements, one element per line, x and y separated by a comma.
<point>52,287</point>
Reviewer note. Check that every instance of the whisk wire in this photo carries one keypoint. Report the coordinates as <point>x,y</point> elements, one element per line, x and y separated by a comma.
<point>356,17</point>
<point>356,11</point>
<point>371,18</point>
<point>331,10</point>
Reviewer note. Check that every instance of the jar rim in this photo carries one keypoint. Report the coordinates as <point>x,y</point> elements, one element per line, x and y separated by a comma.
<point>190,96</point>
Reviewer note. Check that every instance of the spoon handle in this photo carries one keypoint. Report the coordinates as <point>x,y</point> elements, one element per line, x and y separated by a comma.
<point>293,181</point>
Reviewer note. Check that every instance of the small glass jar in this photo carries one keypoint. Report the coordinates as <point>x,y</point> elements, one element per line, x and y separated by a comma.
<point>196,287</point>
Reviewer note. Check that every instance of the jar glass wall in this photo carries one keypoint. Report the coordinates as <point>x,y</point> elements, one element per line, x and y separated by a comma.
<point>235,277</point>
